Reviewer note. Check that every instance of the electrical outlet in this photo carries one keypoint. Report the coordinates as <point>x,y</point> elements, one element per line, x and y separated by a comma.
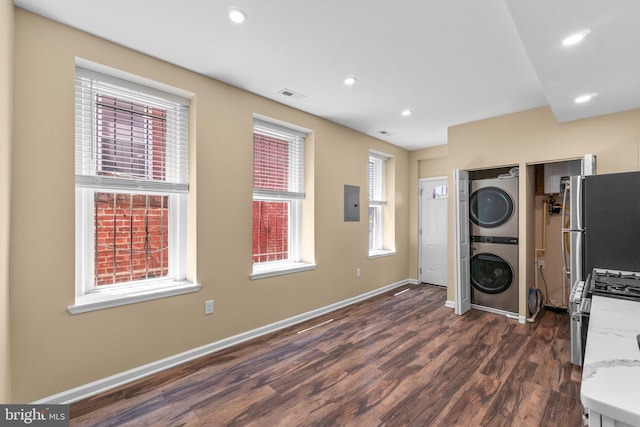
<point>357,273</point>
<point>541,264</point>
<point>208,307</point>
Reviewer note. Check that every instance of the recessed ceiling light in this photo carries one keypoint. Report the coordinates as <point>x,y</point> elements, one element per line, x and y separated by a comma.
<point>236,15</point>
<point>350,81</point>
<point>407,112</point>
<point>584,98</point>
<point>576,38</point>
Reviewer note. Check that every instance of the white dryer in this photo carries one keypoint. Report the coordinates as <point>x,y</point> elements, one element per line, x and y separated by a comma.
<point>494,275</point>
<point>493,207</point>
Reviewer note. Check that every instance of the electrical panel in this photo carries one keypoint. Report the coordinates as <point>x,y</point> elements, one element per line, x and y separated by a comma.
<point>351,203</point>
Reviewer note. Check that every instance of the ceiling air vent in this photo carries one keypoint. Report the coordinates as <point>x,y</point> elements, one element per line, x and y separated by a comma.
<point>291,94</point>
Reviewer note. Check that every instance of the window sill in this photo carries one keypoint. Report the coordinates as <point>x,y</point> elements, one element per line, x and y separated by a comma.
<point>114,298</point>
<point>278,269</point>
<point>381,253</point>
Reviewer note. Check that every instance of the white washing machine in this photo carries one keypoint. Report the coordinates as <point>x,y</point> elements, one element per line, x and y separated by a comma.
<point>494,275</point>
<point>493,207</point>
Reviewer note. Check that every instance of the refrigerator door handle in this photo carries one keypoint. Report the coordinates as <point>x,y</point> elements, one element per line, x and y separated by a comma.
<point>565,211</point>
<point>565,235</point>
<point>577,258</point>
<point>578,204</point>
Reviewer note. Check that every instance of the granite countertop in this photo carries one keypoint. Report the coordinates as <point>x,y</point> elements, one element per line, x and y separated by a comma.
<point>611,368</point>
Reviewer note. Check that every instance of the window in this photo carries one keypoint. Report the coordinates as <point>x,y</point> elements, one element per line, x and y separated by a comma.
<point>131,188</point>
<point>278,194</point>
<point>378,205</point>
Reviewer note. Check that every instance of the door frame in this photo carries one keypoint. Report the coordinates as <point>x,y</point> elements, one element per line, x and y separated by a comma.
<point>420,225</point>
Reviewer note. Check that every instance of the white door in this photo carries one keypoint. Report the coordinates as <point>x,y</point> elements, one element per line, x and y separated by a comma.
<point>462,284</point>
<point>433,230</point>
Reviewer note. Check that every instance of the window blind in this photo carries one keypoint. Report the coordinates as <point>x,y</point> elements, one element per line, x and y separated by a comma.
<point>376,179</point>
<point>278,161</point>
<point>129,137</point>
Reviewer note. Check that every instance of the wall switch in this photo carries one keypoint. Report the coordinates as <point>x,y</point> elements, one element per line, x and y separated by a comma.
<point>357,273</point>
<point>208,307</point>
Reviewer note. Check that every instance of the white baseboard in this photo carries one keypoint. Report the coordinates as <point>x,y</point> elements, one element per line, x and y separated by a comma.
<point>519,318</point>
<point>117,380</point>
<point>507,314</point>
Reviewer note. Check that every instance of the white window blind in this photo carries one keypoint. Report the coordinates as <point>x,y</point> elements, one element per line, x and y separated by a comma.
<point>129,137</point>
<point>376,179</point>
<point>376,200</point>
<point>131,179</point>
<point>278,161</point>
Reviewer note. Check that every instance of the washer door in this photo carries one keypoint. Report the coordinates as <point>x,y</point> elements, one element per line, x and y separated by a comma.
<point>490,273</point>
<point>490,207</point>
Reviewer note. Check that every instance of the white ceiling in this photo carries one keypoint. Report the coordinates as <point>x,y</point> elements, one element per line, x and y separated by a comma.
<point>450,61</point>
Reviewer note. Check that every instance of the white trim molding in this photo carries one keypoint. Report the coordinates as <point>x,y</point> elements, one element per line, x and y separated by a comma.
<point>131,295</point>
<point>509,315</point>
<point>117,380</point>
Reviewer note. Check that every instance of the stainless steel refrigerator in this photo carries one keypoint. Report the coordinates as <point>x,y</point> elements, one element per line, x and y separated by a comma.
<point>572,232</point>
<point>572,245</point>
<point>601,224</point>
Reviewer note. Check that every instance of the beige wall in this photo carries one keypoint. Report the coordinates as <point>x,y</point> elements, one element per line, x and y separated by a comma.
<point>432,161</point>
<point>529,137</point>
<point>6,69</point>
<point>53,350</point>
<point>535,136</point>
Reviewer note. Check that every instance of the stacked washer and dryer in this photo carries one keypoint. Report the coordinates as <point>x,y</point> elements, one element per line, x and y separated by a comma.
<point>493,212</point>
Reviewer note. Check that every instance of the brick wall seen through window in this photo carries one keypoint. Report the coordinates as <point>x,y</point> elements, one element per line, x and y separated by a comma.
<point>270,218</point>
<point>131,237</point>
<point>131,230</point>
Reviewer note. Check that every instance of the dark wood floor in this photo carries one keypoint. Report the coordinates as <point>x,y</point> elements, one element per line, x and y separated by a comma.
<point>403,360</point>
